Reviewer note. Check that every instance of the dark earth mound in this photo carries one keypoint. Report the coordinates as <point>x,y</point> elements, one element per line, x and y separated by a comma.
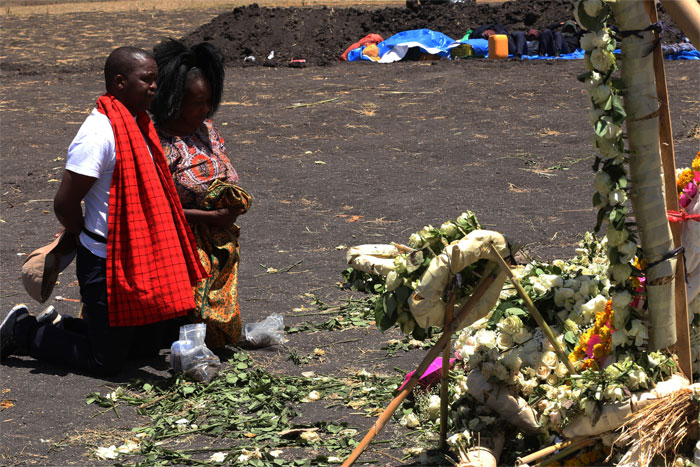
<point>321,35</point>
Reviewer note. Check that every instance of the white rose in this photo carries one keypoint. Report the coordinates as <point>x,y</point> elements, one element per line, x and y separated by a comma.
<point>602,183</point>
<point>551,280</point>
<point>617,197</point>
<point>415,241</point>
<point>602,60</point>
<point>528,387</point>
<point>550,359</point>
<point>561,370</point>
<point>400,264</point>
<point>449,229</point>
<point>571,326</point>
<point>312,396</point>
<point>310,437</point>
<point>602,38</point>
<point>393,281</point>
<point>543,371</point>
<point>639,331</point>
<point>562,295</point>
<point>595,79</point>
<point>620,316</point>
<point>410,420</point>
<point>643,379</point>
<point>107,453</point>
<point>614,393</point>
<point>537,286</point>
<point>601,94</point>
<point>128,447</point>
<point>612,131</point>
<point>511,325</point>
<point>593,306</point>
<point>552,379</point>
<point>217,457</point>
<point>619,338</point>
<point>592,7</point>
<point>465,352</point>
<point>616,237</point>
<point>433,407</point>
<point>609,149</point>
<point>486,338</point>
<point>589,41</point>
<point>504,341</point>
<point>621,273</point>
<point>654,358</point>
<point>621,299</point>
<point>628,251</point>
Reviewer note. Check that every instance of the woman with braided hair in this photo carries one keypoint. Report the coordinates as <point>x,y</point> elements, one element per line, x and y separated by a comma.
<point>190,85</point>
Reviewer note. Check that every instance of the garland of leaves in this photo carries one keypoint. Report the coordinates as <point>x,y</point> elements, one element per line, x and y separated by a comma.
<point>611,182</point>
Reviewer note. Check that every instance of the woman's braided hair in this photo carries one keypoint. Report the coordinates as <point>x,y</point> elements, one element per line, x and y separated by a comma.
<point>175,62</point>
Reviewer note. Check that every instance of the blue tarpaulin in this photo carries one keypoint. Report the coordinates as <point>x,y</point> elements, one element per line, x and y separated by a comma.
<point>394,48</point>
<point>684,55</point>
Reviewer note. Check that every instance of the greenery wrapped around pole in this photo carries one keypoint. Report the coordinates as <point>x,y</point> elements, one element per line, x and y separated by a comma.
<point>646,177</point>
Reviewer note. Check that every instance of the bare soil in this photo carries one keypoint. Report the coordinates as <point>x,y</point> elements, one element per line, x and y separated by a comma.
<point>376,152</point>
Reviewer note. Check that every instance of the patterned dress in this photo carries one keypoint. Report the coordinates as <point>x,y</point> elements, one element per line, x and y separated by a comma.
<point>205,179</point>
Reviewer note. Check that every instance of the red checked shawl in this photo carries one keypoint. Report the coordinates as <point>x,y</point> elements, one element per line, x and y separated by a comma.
<point>152,260</point>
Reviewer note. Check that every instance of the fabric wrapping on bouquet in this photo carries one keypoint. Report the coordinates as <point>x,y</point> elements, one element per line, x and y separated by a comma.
<point>372,264</point>
<point>383,251</point>
<point>514,410</point>
<point>426,304</point>
<point>372,258</point>
<point>614,414</point>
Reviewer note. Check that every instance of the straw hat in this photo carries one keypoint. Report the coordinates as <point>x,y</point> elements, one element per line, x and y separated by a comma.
<point>42,266</point>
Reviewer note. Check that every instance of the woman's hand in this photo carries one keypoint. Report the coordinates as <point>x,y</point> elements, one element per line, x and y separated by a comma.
<point>224,217</point>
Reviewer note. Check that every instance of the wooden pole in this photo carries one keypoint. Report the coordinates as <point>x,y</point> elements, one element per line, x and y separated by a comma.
<point>448,330</point>
<point>686,14</point>
<point>445,379</point>
<point>570,443</point>
<point>668,163</point>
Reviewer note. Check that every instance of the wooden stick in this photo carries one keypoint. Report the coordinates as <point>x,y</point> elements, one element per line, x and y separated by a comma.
<point>668,162</point>
<point>445,380</point>
<point>535,313</point>
<point>554,448</point>
<point>567,451</point>
<point>403,248</point>
<point>448,330</point>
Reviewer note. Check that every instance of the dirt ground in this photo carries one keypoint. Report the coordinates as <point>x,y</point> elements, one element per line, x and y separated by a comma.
<point>372,154</point>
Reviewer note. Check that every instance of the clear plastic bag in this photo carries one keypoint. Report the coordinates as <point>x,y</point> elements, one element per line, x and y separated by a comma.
<point>265,333</point>
<point>191,356</point>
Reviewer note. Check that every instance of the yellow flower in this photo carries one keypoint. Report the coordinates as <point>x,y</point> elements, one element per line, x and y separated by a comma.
<point>598,351</point>
<point>696,162</point>
<point>684,178</point>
